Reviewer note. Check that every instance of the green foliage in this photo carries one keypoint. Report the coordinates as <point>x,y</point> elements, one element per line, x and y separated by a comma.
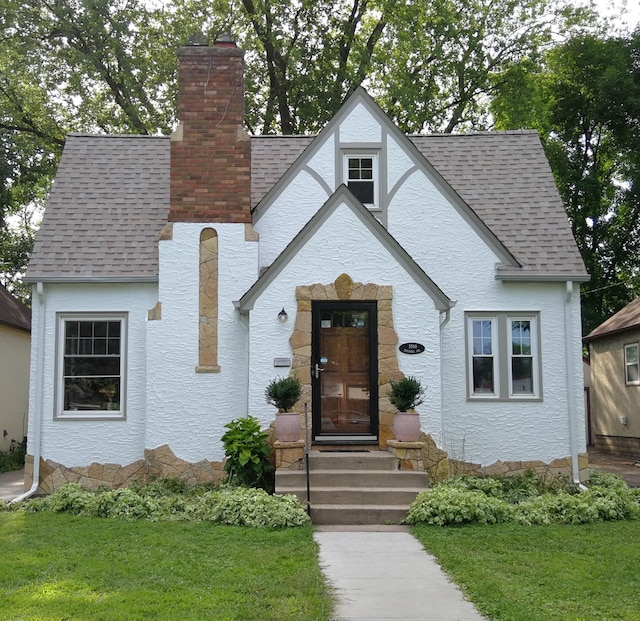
<point>526,500</point>
<point>406,393</point>
<point>247,453</point>
<point>13,459</point>
<point>168,500</point>
<point>283,392</point>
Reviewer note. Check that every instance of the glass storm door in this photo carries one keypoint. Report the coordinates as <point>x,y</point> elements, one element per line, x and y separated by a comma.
<point>344,372</point>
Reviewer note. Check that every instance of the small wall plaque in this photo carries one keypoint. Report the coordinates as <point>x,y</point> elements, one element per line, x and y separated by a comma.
<point>282,362</point>
<point>411,348</point>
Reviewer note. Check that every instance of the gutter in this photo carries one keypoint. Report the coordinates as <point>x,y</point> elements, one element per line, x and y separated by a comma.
<point>571,398</point>
<point>37,414</point>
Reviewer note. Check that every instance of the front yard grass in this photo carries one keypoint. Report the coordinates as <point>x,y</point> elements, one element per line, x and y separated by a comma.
<point>585,572</point>
<point>57,566</point>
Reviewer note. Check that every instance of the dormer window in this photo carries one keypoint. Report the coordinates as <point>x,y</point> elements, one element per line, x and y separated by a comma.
<point>361,177</point>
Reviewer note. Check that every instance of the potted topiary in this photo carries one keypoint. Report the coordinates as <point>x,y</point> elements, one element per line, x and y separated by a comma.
<point>406,394</point>
<point>284,392</point>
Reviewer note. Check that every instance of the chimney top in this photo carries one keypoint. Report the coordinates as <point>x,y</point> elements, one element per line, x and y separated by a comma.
<point>224,40</point>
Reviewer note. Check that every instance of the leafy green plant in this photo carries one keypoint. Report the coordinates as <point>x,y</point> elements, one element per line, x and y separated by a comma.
<point>13,459</point>
<point>247,453</point>
<point>525,499</point>
<point>283,392</point>
<point>406,393</point>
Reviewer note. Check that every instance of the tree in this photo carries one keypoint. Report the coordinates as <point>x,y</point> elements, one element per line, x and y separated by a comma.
<point>585,100</point>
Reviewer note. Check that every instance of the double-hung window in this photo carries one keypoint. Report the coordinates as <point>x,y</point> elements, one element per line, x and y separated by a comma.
<point>91,366</point>
<point>362,177</point>
<point>503,352</point>
<point>631,364</point>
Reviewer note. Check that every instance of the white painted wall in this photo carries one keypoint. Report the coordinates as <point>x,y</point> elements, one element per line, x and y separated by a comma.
<point>188,410</point>
<point>81,442</point>
<point>343,245</point>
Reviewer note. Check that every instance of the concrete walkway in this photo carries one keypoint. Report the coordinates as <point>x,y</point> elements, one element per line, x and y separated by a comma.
<point>11,484</point>
<point>386,575</point>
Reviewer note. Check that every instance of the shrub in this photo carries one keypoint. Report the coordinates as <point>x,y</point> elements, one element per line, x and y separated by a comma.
<point>247,453</point>
<point>13,459</point>
<point>406,394</point>
<point>283,392</point>
<point>227,505</point>
<point>525,499</point>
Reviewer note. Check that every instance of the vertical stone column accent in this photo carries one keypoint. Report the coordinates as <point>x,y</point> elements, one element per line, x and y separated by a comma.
<point>208,330</point>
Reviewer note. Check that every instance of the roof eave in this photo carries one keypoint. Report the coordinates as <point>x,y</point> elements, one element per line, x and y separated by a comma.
<point>66,278</point>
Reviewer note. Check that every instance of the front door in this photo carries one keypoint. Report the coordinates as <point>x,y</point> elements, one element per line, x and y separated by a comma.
<point>344,372</point>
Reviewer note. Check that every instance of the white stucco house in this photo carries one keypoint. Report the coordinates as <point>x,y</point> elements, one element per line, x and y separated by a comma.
<point>175,277</point>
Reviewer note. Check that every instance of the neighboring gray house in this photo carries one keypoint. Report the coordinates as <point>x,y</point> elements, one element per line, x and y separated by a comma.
<point>15,348</point>
<point>615,382</point>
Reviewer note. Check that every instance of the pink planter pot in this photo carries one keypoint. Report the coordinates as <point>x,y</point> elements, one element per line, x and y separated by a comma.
<point>287,426</point>
<point>406,426</point>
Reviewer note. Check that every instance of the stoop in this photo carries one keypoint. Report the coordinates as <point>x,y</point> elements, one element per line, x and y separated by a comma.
<point>353,487</point>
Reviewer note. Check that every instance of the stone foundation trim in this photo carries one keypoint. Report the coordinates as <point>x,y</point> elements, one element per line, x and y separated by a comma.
<point>160,462</point>
<point>289,455</point>
<point>208,302</point>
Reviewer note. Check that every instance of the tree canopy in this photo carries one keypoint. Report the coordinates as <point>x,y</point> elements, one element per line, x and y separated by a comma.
<point>110,66</point>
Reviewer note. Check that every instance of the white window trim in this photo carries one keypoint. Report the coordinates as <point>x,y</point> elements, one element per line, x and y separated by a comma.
<point>627,365</point>
<point>59,412</point>
<point>501,346</point>
<point>535,357</point>
<point>374,155</point>
<point>494,354</point>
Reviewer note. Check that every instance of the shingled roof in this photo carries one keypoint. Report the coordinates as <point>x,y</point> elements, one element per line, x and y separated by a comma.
<point>625,319</point>
<point>13,312</point>
<point>110,200</point>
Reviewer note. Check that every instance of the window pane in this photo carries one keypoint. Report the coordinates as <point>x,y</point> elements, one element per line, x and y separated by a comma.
<point>362,190</point>
<point>522,375</point>
<point>92,394</point>
<point>631,352</point>
<point>483,375</point>
<point>632,374</point>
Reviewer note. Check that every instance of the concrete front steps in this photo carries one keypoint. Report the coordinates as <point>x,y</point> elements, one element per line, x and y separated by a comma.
<point>353,487</point>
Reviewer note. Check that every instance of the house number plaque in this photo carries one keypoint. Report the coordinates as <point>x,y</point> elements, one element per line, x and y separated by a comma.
<point>411,348</point>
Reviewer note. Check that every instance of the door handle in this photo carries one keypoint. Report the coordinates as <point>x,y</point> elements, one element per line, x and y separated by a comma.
<point>317,370</point>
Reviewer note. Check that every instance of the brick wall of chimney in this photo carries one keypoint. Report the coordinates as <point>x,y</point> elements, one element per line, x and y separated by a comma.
<point>210,150</point>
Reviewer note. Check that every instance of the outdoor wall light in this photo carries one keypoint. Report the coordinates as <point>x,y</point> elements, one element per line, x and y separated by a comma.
<point>282,316</point>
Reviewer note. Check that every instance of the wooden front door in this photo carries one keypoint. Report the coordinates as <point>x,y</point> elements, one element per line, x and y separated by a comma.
<point>344,372</point>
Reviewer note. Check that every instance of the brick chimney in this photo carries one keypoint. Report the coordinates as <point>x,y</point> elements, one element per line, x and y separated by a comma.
<point>210,150</point>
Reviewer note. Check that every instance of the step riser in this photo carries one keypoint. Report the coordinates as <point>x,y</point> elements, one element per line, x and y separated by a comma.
<point>355,497</point>
<point>337,479</point>
<point>375,460</point>
<point>369,516</point>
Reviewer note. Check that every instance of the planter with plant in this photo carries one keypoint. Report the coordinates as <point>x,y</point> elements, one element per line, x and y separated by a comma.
<point>284,392</point>
<point>406,394</point>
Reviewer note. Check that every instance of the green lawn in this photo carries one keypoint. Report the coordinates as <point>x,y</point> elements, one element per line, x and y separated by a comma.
<point>544,573</point>
<point>62,567</point>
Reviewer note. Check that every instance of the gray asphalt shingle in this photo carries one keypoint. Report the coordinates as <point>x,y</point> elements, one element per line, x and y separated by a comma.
<point>110,200</point>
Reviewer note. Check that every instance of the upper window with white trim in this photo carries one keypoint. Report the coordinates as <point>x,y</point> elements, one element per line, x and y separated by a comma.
<point>91,366</point>
<point>362,178</point>
<point>503,356</point>
<point>631,364</point>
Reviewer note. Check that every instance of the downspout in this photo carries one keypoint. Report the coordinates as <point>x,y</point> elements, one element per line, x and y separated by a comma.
<point>39,382</point>
<point>571,398</point>
<point>445,318</point>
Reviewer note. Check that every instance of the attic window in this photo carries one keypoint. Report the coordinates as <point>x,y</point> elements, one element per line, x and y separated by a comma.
<point>361,177</point>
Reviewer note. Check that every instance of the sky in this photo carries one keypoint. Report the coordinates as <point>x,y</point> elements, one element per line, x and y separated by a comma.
<point>614,9</point>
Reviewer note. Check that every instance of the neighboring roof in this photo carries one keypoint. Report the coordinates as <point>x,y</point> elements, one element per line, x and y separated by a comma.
<point>109,201</point>
<point>13,312</point>
<point>625,319</point>
<point>344,196</point>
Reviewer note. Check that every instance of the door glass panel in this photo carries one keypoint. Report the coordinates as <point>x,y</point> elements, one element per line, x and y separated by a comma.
<point>344,382</point>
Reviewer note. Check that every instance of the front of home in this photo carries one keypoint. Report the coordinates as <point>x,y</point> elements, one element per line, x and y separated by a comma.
<point>174,278</point>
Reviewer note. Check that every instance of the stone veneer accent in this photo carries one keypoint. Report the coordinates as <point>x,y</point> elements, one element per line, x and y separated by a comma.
<point>160,462</point>
<point>208,296</point>
<point>346,290</point>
